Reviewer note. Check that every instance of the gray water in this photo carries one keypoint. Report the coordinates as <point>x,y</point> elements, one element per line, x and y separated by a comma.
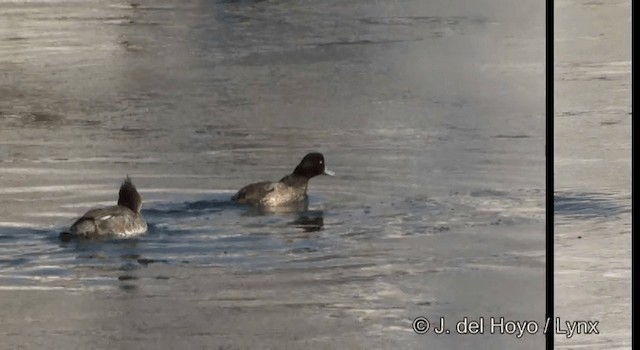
<point>430,113</point>
<point>592,158</point>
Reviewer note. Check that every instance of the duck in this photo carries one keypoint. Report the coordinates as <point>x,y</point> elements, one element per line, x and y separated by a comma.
<point>121,221</point>
<point>291,189</point>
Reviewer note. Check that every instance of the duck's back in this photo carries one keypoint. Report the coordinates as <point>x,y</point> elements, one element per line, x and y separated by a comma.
<point>270,194</point>
<point>253,193</point>
<point>117,221</point>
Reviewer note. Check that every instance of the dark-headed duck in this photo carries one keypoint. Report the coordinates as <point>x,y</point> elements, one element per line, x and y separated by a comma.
<point>290,189</point>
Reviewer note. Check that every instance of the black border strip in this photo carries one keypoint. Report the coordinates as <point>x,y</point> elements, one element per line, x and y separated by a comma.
<point>549,172</point>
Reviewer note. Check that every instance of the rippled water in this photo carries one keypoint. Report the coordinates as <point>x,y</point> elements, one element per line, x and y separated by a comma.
<point>576,205</point>
<point>431,114</point>
<point>593,117</point>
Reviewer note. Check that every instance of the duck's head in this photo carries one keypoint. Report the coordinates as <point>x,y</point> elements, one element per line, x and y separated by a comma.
<point>312,165</point>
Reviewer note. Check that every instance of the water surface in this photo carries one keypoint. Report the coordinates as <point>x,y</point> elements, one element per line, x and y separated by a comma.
<point>431,114</point>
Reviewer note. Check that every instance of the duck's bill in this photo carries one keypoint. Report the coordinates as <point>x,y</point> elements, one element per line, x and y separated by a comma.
<point>329,172</point>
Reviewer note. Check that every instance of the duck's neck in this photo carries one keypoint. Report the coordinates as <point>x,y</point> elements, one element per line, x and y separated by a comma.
<point>294,180</point>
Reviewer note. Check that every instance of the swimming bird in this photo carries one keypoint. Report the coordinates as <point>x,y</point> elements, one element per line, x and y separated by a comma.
<point>290,189</point>
<point>122,220</point>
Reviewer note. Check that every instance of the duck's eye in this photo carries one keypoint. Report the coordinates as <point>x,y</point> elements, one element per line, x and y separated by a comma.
<point>321,162</point>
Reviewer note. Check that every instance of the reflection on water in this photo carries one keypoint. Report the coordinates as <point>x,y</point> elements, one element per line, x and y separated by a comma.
<point>430,112</point>
<point>309,221</point>
<point>581,205</point>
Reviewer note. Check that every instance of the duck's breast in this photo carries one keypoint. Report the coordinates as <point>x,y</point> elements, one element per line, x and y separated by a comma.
<point>283,194</point>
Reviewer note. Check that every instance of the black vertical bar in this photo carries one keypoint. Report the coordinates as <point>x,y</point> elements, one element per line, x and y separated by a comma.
<point>549,173</point>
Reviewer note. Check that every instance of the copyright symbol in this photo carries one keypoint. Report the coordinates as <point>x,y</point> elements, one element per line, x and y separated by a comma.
<point>421,325</point>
